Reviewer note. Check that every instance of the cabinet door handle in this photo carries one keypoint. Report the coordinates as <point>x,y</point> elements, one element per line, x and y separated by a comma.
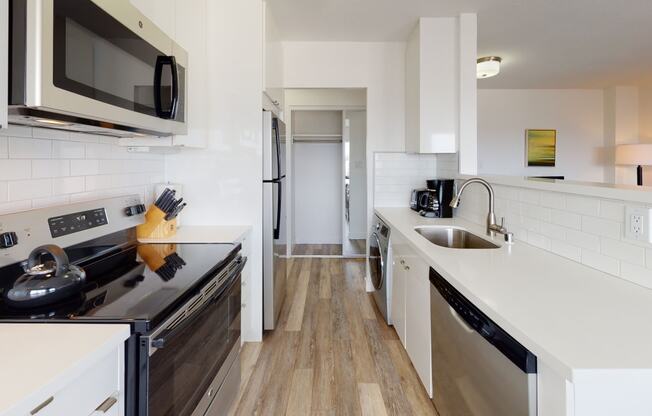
<point>106,405</point>
<point>42,405</point>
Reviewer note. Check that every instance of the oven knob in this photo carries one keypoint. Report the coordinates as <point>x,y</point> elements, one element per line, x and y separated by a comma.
<point>8,239</point>
<point>134,210</point>
<point>377,226</point>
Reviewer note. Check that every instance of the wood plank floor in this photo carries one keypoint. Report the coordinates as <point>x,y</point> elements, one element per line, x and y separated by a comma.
<point>332,353</point>
<point>317,249</point>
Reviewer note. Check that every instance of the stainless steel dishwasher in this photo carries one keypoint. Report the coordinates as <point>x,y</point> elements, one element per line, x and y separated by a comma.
<point>478,369</point>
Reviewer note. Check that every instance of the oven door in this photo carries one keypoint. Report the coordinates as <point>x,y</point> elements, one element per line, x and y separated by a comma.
<point>101,60</point>
<point>192,353</point>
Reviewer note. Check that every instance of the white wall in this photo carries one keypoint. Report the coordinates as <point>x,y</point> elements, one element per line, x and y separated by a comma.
<point>378,67</point>
<point>318,193</point>
<point>44,167</point>
<point>621,115</point>
<point>223,182</point>
<point>577,115</point>
<point>645,125</point>
<point>358,174</point>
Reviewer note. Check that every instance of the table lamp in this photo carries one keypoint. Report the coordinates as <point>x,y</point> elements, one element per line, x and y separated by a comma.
<point>638,155</point>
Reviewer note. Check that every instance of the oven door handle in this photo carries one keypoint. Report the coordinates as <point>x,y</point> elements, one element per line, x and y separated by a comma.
<point>162,339</point>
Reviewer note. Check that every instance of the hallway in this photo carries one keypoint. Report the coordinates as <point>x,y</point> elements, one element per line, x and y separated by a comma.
<point>331,354</point>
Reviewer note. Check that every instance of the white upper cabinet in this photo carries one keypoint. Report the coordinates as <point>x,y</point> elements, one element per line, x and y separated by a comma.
<point>433,87</point>
<point>185,21</point>
<point>4,33</point>
<point>273,95</point>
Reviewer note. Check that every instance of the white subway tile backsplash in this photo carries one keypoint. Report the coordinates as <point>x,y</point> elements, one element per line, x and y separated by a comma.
<point>602,227</point>
<point>45,167</point>
<point>566,219</point>
<point>69,185</point>
<point>600,262</point>
<point>582,239</point>
<point>582,205</point>
<point>98,151</point>
<point>553,200</point>
<point>583,229</point>
<point>3,192</point>
<point>50,201</point>
<point>538,240</point>
<point>29,189</point>
<point>25,148</point>
<point>529,196</point>
<point>98,182</point>
<point>637,274</point>
<point>395,175</point>
<point>4,147</point>
<point>84,167</point>
<point>15,206</point>
<point>68,150</point>
<point>15,169</point>
<point>614,211</point>
<point>564,249</point>
<point>553,231</point>
<point>16,131</point>
<point>623,251</point>
<point>50,168</point>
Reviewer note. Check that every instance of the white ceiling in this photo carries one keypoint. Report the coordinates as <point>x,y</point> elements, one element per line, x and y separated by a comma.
<point>543,43</point>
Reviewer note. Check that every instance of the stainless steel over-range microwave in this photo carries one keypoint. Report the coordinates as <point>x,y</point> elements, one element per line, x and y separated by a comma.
<point>97,66</point>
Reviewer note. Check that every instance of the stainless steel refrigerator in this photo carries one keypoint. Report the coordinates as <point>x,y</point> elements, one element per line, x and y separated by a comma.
<point>274,215</point>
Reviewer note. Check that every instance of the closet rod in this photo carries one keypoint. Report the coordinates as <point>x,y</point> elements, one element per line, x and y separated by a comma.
<point>317,141</point>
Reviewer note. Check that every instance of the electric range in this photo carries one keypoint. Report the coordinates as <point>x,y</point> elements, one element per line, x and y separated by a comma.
<point>182,301</point>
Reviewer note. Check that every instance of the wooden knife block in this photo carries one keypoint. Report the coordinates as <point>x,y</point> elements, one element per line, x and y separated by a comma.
<point>155,225</point>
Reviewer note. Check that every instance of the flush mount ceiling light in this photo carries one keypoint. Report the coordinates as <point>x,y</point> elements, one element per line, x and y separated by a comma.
<point>488,66</point>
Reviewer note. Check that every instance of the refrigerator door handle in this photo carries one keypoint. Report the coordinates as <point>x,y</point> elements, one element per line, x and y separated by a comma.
<point>277,226</point>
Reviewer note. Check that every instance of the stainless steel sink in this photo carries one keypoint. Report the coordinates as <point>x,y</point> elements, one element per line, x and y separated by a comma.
<point>453,237</point>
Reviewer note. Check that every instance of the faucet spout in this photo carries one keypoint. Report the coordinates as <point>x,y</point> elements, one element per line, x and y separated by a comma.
<point>492,227</point>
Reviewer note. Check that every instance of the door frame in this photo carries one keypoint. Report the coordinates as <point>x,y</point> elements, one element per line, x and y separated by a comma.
<point>289,170</point>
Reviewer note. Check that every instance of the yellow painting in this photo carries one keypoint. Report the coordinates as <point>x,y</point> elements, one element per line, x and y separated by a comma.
<point>541,147</point>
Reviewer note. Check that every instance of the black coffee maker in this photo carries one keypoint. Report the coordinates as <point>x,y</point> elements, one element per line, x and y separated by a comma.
<point>434,201</point>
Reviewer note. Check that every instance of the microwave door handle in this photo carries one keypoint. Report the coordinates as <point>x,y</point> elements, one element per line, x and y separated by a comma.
<point>161,62</point>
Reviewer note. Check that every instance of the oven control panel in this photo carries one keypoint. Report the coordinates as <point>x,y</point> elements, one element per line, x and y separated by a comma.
<point>78,221</point>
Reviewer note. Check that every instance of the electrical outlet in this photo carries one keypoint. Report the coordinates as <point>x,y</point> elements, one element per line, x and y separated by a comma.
<point>638,224</point>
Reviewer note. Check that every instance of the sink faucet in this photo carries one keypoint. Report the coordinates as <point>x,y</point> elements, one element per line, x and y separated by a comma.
<point>492,227</point>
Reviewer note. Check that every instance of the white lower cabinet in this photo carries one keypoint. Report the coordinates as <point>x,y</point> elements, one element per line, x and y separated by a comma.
<point>97,391</point>
<point>417,318</point>
<point>411,306</point>
<point>398,286</point>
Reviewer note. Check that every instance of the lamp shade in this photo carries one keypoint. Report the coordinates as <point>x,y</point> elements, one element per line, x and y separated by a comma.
<point>634,154</point>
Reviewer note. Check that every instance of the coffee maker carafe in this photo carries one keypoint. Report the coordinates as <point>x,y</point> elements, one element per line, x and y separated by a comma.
<point>434,202</point>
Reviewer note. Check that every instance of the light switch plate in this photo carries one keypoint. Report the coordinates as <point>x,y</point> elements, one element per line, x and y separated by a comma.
<point>638,224</point>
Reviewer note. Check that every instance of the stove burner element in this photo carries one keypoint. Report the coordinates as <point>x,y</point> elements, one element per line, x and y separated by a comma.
<point>46,282</point>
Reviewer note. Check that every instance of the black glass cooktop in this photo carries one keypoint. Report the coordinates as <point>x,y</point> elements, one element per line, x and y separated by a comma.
<point>126,281</point>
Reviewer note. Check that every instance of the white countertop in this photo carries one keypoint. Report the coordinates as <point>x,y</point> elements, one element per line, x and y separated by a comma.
<point>205,234</point>
<point>39,358</point>
<point>570,316</point>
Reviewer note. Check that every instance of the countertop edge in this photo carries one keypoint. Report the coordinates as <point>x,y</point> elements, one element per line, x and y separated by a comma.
<point>205,234</point>
<point>76,368</point>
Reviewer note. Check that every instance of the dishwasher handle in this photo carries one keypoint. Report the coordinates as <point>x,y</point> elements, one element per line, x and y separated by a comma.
<point>472,319</point>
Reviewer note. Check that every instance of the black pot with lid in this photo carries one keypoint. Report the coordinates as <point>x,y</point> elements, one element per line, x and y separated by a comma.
<point>46,280</point>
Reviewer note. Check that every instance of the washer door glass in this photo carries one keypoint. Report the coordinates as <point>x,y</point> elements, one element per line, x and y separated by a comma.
<point>376,262</point>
